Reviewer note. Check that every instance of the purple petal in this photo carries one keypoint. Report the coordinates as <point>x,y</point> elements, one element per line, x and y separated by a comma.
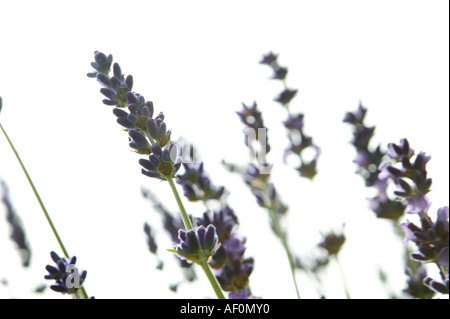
<point>443,257</point>
<point>418,205</point>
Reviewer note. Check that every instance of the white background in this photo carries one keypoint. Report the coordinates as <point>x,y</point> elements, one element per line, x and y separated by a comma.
<point>197,61</point>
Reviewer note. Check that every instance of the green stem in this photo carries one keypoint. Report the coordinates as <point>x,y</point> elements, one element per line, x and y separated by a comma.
<point>282,236</point>
<point>344,281</point>
<point>187,223</point>
<point>41,203</point>
<point>184,215</point>
<point>47,216</point>
<point>212,280</point>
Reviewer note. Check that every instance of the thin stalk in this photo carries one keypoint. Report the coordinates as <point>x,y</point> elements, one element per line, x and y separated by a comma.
<point>344,281</point>
<point>184,216</point>
<point>30,181</point>
<point>41,203</point>
<point>282,236</point>
<point>187,223</point>
<point>212,280</point>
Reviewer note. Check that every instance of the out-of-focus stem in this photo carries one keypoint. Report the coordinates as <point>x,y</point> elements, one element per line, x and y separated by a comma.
<point>41,203</point>
<point>282,236</point>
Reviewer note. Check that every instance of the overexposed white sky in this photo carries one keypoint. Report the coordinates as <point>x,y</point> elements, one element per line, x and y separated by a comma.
<point>197,61</point>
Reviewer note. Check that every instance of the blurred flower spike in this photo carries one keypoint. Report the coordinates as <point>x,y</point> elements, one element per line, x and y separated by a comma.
<point>332,243</point>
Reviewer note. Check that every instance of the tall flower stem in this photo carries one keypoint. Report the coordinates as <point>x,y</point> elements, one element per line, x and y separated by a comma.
<point>41,203</point>
<point>344,281</point>
<point>188,224</point>
<point>184,216</point>
<point>282,236</point>
<point>212,280</point>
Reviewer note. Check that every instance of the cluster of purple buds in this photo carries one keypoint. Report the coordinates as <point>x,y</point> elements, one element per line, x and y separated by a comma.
<point>257,176</point>
<point>411,178</point>
<point>231,268</point>
<point>197,245</point>
<point>161,162</point>
<point>68,279</point>
<point>432,240</point>
<point>409,173</point>
<point>299,140</point>
<point>368,161</point>
<point>115,87</point>
<point>197,185</point>
<point>147,135</point>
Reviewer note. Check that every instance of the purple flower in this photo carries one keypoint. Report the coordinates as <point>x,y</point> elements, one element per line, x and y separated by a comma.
<point>431,238</point>
<point>224,220</point>
<point>443,257</point>
<point>235,277</point>
<point>280,73</point>
<point>299,141</point>
<point>156,129</point>
<point>197,185</point>
<point>160,163</point>
<point>357,117</point>
<point>368,160</point>
<point>286,96</point>
<point>362,159</point>
<point>416,287</point>
<point>382,206</point>
<point>442,217</point>
<point>68,279</point>
<point>421,161</point>
<point>387,171</point>
<point>102,64</point>
<point>294,122</point>
<point>269,58</point>
<point>243,294</point>
<point>197,245</point>
<point>397,152</point>
<point>139,142</point>
<point>252,119</point>
<point>409,229</point>
<point>437,286</point>
<point>235,245</point>
<point>418,205</point>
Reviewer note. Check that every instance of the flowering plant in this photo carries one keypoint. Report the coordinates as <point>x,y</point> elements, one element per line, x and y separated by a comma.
<point>212,240</point>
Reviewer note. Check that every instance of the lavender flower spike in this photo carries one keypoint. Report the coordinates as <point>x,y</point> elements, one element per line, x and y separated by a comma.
<point>299,140</point>
<point>68,279</point>
<point>197,245</point>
